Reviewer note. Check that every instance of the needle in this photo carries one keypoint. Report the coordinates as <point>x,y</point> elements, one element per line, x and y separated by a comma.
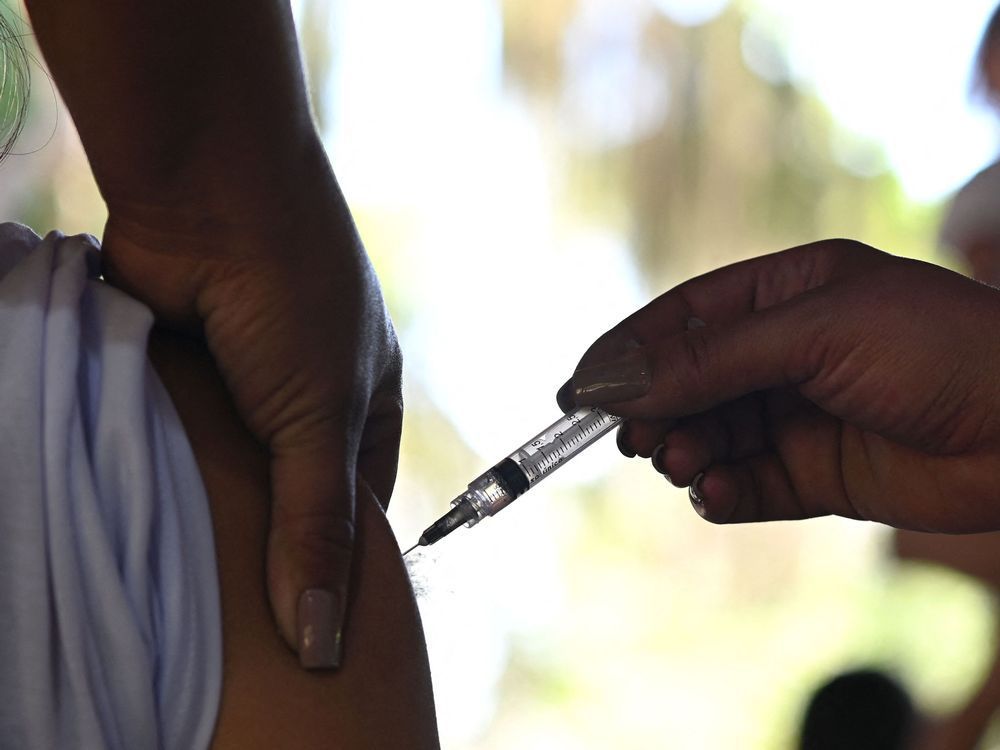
<point>411,549</point>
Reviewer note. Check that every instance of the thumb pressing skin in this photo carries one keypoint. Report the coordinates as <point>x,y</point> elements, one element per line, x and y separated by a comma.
<point>310,548</point>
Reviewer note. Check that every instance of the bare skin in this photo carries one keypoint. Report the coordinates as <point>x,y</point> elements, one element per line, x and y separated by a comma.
<point>225,218</point>
<point>381,697</point>
<point>829,379</point>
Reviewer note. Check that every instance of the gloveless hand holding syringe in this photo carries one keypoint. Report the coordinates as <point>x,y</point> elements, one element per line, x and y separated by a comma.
<point>811,357</point>
<point>521,470</point>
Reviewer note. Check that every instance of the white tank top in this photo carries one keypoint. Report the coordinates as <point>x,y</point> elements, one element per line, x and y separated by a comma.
<point>110,632</point>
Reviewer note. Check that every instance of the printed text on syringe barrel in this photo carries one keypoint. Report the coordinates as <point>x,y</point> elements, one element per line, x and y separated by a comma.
<point>561,441</point>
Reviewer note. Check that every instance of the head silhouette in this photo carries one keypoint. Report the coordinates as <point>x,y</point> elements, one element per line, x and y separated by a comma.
<point>863,709</point>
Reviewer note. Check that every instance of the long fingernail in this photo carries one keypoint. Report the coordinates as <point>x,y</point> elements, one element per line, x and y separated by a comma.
<point>564,397</point>
<point>320,623</point>
<point>620,379</point>
<point>621,437</point>
<point>695,496</point>
<point>657,459</point>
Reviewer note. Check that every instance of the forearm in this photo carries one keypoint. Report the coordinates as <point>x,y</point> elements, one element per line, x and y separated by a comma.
<point>180,101</point>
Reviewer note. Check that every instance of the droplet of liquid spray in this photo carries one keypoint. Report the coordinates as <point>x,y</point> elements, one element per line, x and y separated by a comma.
<point>418,562</point>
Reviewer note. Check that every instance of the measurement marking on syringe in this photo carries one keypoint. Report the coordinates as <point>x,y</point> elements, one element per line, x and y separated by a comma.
<point>536,459</point>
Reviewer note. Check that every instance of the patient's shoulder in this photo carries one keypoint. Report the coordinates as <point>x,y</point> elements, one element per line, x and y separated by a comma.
<point>381,696</point>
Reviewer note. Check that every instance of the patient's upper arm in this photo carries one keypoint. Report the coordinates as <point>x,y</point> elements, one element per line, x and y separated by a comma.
<point>381,696</point>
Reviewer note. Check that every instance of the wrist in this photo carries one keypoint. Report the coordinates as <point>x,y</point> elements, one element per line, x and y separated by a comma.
<point>233,183</point>
<point>179,101</point>
<point>167,253</point>
<point>258,203</point>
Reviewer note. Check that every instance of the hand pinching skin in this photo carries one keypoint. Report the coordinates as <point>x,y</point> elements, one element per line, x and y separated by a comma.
<point>225,218</point>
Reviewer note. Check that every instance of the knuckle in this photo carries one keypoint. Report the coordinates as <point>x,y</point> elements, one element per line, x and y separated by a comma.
<point>609,345</point>
<point>824,255</point>
<point>853,254</point>
<point>691,364</point>
<point>848,245</point>
<point>315,532</point>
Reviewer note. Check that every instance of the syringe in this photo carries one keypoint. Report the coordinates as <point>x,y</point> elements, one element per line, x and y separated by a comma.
<point>521,470</point>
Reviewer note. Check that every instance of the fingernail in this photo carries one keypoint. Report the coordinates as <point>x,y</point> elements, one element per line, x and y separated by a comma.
<point>620,379</point>
<point>694,495</point>
<point>621,437</point>
<point>693,323</point>
<point>320,623</point>
<point>657,459</point>
<point>564,397</point>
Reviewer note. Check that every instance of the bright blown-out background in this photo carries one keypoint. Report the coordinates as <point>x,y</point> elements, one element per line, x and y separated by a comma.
<point>524,174</point>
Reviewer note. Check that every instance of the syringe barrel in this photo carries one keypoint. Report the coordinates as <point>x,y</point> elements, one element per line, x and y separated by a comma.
<point>565,438</point>
<point>491,492</point>
<point>528,465</point>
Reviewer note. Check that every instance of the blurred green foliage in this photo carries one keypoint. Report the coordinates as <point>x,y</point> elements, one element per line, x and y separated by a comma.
<point>735,165</point>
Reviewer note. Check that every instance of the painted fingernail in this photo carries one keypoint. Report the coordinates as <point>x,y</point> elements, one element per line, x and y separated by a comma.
<point>621,437</point>
<point>620,379</point>
<point>564,397</point>
<point>320,623</point>
<point>695,496</point>
<point>657,459</point>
